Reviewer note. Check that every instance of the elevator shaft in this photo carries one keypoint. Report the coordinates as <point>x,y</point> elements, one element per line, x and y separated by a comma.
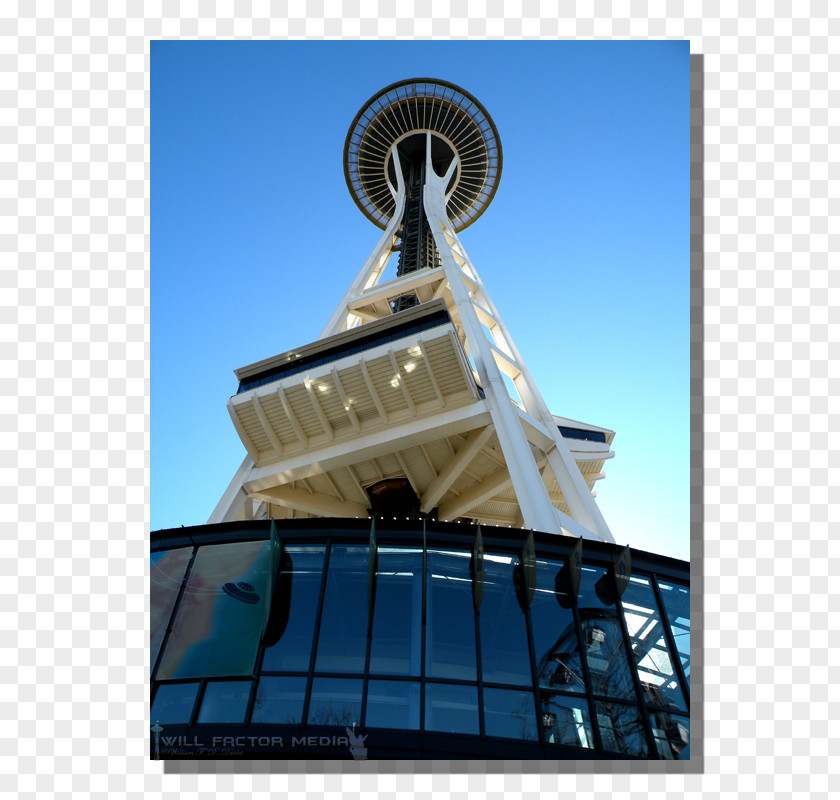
<point>417,249</point>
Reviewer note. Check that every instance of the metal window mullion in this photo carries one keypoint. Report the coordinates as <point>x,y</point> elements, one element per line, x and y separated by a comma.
<point>676,661</point>
<point>587,677</point>
<point>479,671</point>
<point>535,678</point>
<point>197,703</point>
<point>316,633</point>
<point>423,633</point>
<point>634,672</point>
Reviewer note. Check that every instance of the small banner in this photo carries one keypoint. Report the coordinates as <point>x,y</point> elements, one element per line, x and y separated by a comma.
<point>621,568</point>
<point>371,570</point>
<point>567,582</point>
<point>224,611</point>
<point>477,569</point>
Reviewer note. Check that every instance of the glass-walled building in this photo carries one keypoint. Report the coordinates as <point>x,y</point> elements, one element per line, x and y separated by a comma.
<point>321,638</point>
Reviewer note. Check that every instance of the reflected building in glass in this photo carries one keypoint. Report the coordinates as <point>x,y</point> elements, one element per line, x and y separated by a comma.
<point>409,563</point>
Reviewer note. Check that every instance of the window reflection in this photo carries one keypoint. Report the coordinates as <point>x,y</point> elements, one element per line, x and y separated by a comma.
<point>606,655</point>
<point>451,708</point>
<point>621,728</point>
<point>393,704</point>
<point>510,714</point>
<point>279,700</point>
<point>650,649</point>
<point>335,701</point>
<point>555,640</point>
<point>450,619</point>
<point>174,703</point>
<point>303,569</point>
<point>676,600</point>
<point>504,638</point>
<point>566,720</point>
<point>670,732</point>
<point>342,640</point>
<point>397,620</point>
<point>225,701</point>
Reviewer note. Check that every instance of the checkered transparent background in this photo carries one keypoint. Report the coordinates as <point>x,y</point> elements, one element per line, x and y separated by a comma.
<point>75,409</point>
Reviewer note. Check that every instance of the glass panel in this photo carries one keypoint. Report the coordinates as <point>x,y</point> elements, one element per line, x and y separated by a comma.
<point>606,655</point>
<point>451,708</point>
<point>166,577</point>
<point>304,569</point>
<point>450,619</point>
<point>510,714</point>
<point>397,621</point>
<point>555,640</point>
<point>393,704</point>
<point>647,636</point>
<point>225,701</point>
<point>504,637</point>
<point>343,637</point>
<point>222,612</point>
<point>174,703</point>
<point>566,720</point>
<point>621,729</point>
<point>335,701</point>
<point>677,607</point>
<point>279,700</point>
<point>671,733</point>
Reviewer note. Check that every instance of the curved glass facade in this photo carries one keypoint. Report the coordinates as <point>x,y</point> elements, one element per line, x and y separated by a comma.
<point>412,644</point>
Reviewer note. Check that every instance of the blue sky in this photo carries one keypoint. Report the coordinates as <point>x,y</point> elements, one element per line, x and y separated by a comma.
<point>584,249</point>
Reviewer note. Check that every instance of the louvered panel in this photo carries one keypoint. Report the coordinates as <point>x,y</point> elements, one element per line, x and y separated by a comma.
<point>389,466</point>
<point>341,478</point>
<point>250,422</point>
<point>357,393</point>
<point>367,472</point>
<point>320,485</point>
<point>308,420</point>
<point>276,416</point>
<point>463,482</point>
<point>384,380</point>
<point>417,465</point>
<point>439,453</point>
<point>504,512</point>
<point>413,372</point>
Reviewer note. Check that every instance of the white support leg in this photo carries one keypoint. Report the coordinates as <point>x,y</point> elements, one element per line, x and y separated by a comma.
<point>537,510</point>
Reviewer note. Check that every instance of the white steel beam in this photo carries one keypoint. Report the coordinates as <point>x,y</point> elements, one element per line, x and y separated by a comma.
<point>454,467</point>
<point>354,420</point>
<point>536,507</point>
<point>430,372</point>
<point>234,498</point>
<point>319,412</point>
<point>266,426</point>
<point>318,504</point>
<point>371,272</point>
<point>374,395</point>
<point>293,420</point>
<point>475,495</point>
<point>401,381</point>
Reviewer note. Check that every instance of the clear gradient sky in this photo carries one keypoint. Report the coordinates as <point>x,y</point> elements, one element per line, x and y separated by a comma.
<point>584,249</point>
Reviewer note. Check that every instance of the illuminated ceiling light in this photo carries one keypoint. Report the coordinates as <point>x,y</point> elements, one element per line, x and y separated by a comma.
<point>322,387</point>
<point>395,382</point>
<point>410,366</point>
